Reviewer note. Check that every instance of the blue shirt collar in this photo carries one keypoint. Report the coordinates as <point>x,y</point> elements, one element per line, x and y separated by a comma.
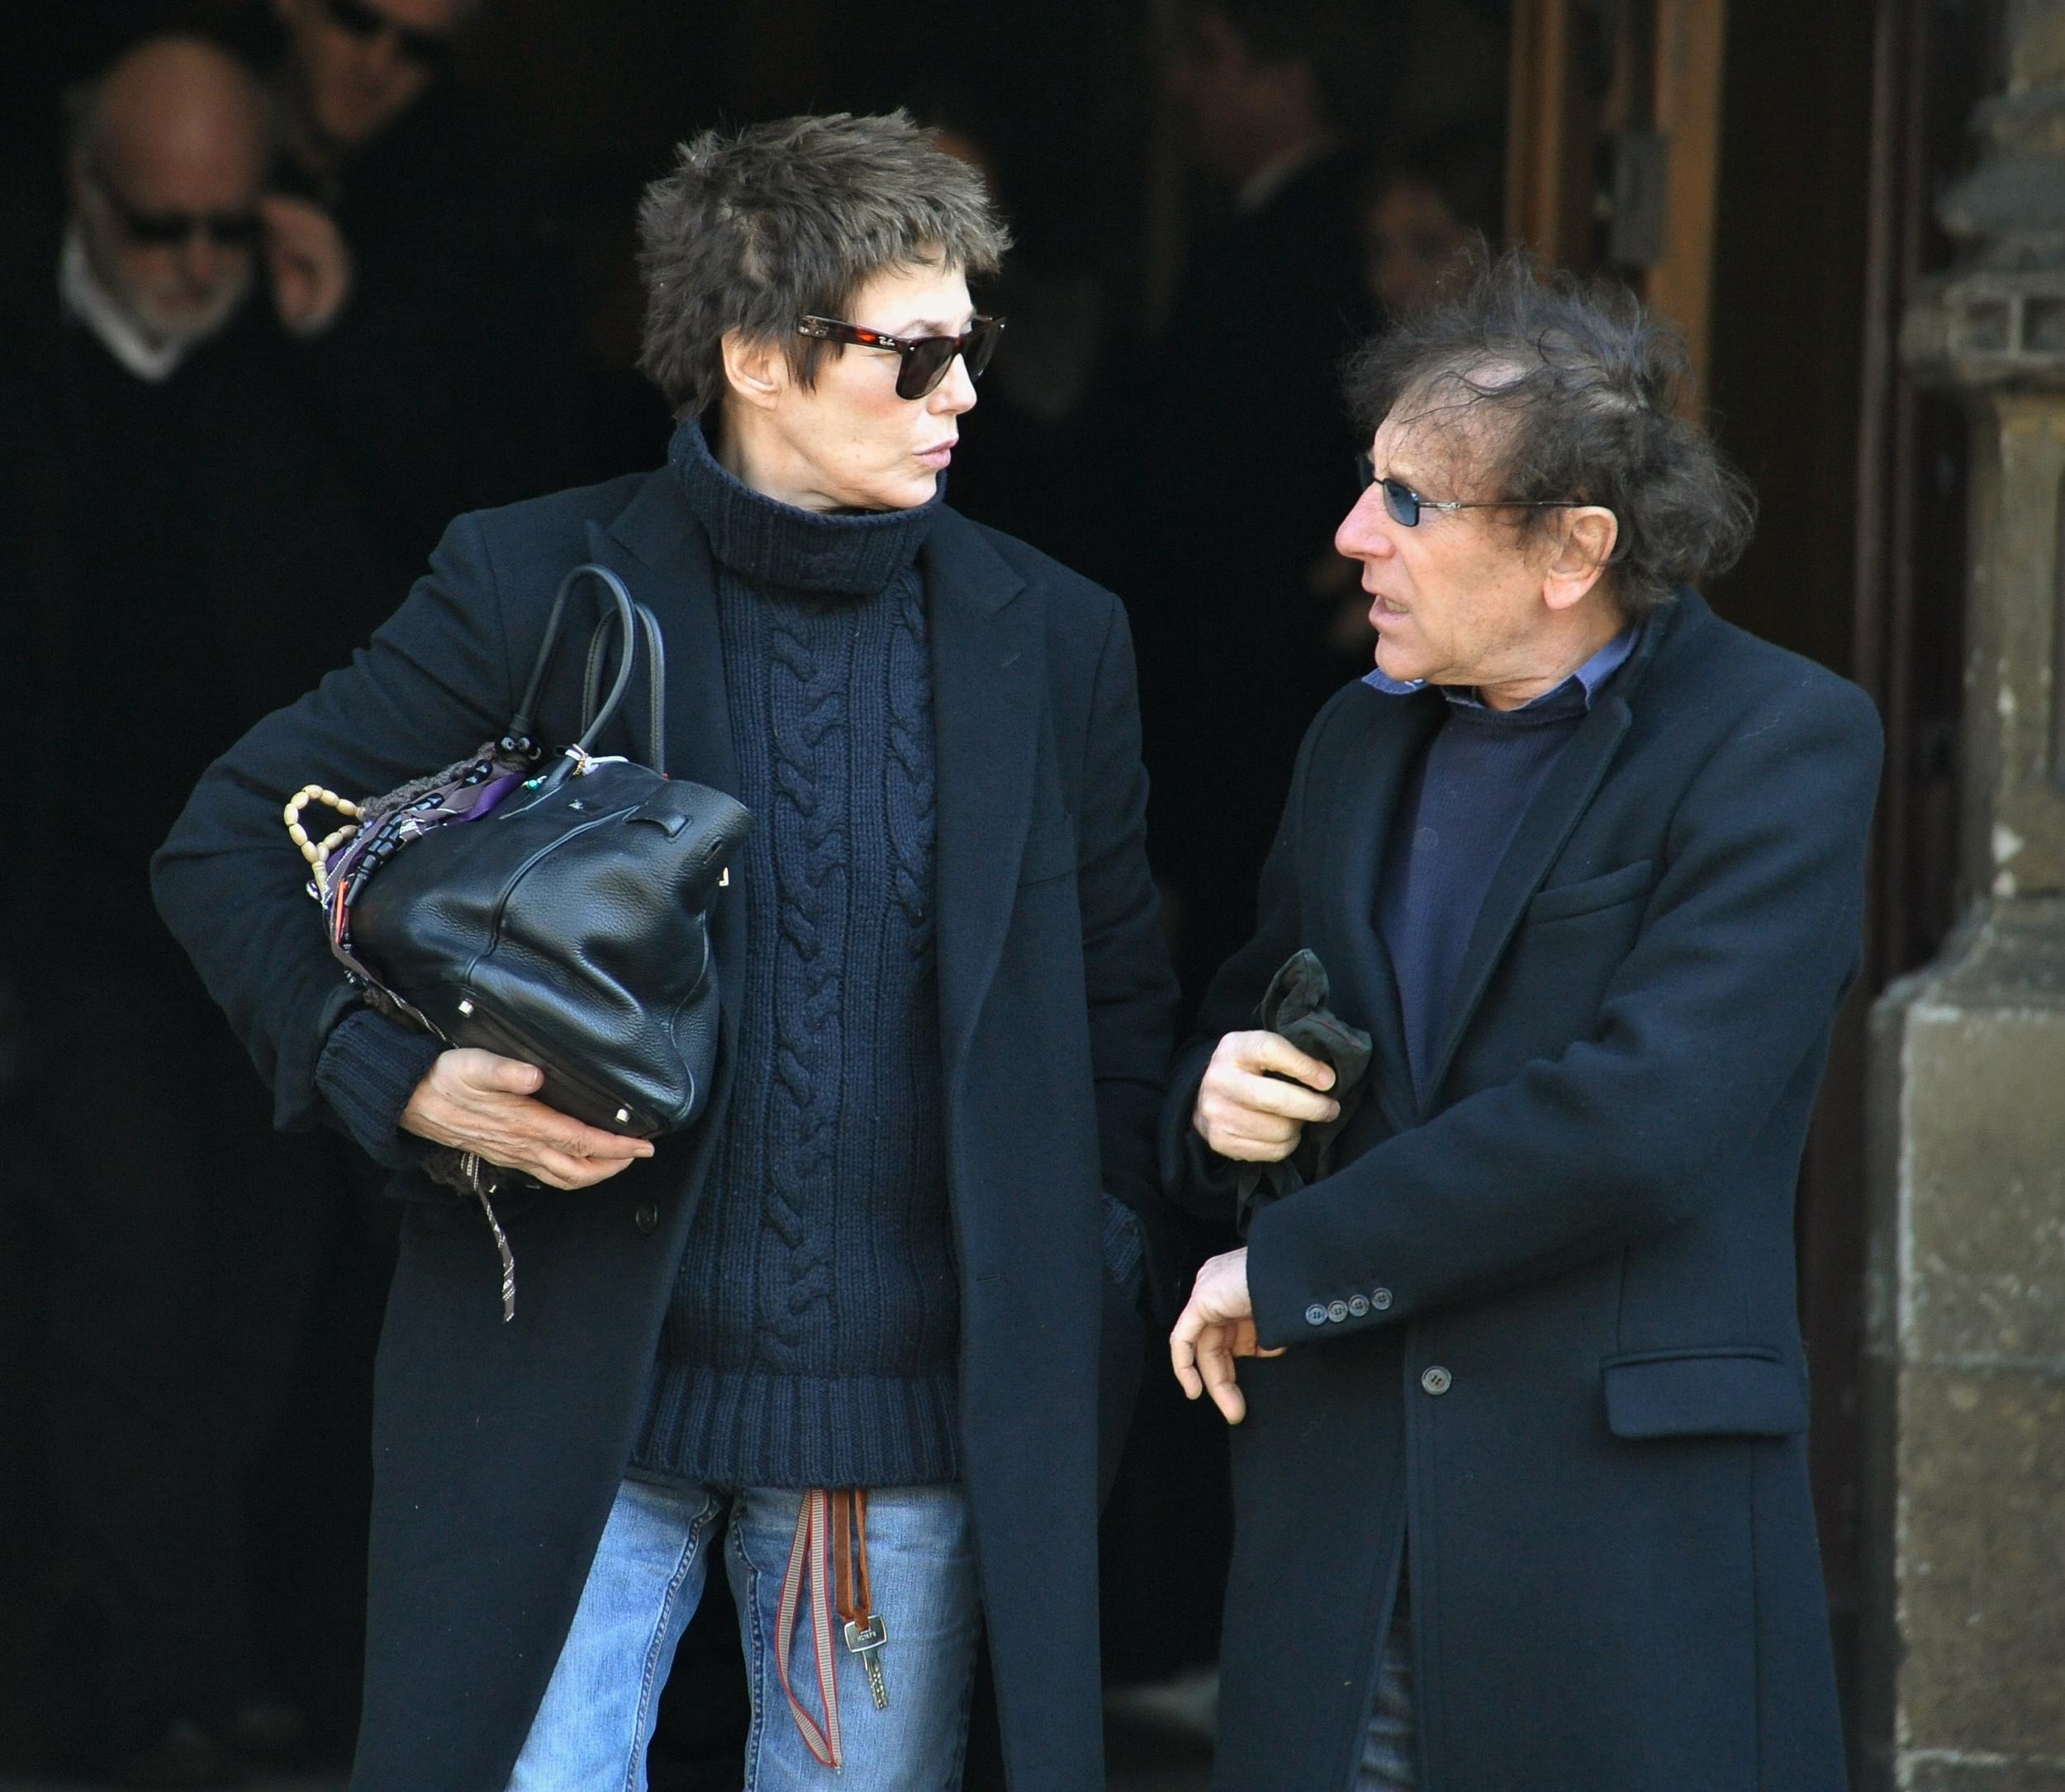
<point>1587,677</point>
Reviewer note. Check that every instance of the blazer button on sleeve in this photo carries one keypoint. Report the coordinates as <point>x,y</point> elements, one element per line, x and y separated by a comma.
<point>1315,1315</point>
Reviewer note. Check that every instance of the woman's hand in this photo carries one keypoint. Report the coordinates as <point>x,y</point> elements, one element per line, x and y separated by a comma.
<point>1257,1094</point>
<point>477,1102</point>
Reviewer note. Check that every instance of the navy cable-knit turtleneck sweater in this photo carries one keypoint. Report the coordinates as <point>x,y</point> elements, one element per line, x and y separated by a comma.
<point>813,1329</point>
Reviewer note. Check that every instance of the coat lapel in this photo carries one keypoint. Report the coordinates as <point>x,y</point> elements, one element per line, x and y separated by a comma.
<point>656,546</point>
<point>1373,775</point>
<point>1572,784</point>
<point>989,673</point>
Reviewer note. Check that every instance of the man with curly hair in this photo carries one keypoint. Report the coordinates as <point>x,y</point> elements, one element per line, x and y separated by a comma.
<point>1520,1468</point>
<point>856,1323</point>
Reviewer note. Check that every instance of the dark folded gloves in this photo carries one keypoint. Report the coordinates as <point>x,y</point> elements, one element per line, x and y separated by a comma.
<point>1295,1005</point>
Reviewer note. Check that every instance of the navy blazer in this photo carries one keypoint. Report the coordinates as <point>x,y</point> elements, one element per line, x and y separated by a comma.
<point>1541,1319</point>
<point>499,1448</point>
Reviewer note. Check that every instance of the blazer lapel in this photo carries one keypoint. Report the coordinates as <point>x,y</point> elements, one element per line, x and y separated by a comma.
<point>988,674</point>
<point>1371,774</point>
<point>656,546</point>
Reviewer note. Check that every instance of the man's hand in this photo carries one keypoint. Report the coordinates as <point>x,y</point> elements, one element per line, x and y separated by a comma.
<point>1247,1109</point>
<point>477,1102</point>
<point>1216,1325</point>
<point>310,265</point>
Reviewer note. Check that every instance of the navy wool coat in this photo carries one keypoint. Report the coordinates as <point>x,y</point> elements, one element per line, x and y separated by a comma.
<point>1540,1323</point>
<point>499,1448</point>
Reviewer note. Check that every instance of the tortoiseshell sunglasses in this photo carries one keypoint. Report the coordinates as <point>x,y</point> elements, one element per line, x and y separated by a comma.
<point>926,358</point>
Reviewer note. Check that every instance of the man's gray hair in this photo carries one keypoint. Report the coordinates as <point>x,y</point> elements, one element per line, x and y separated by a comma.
<point>757,228</point>
<point>1569,390</point>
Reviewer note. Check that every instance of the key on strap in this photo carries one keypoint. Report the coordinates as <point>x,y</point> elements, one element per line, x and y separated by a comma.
<point>865,1631</point>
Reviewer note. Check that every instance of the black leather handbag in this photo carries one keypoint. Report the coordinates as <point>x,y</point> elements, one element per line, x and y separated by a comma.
<point>555,911</point>
<point>552,909</point>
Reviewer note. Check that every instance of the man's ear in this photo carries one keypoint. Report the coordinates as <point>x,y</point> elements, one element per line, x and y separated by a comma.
<point>1584,540</point>
<point>758,373</point>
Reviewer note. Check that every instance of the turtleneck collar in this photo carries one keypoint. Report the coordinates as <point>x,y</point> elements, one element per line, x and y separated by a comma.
<point>768,543</point>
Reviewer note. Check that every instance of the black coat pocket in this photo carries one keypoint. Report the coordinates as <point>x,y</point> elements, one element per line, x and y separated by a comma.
<point>1721,1392</point>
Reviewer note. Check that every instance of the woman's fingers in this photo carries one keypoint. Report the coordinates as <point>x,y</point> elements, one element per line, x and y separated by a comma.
<point>560,1171</point>
<point>477,1102</point>
<point>468,1071</point>
<point>555,1148</point>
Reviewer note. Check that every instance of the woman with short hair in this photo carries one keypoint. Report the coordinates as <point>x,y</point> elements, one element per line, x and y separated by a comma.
<point>854,1321</point>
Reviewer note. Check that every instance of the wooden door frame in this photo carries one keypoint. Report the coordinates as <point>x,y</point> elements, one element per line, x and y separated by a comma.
<point>1559,134</point>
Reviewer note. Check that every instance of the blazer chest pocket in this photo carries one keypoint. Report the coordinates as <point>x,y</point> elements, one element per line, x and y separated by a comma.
<point>1741,1391</point>
<point>1590,895</point>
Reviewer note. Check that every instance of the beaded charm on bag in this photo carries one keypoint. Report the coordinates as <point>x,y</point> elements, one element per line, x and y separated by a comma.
<point>372,832</point>
<point>379,827</point>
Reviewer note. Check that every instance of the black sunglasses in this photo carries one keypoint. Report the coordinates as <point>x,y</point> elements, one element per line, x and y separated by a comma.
<point>1404,504</point>
<point>175,230</point>
<point>926,358</point>
<point>426,49</point>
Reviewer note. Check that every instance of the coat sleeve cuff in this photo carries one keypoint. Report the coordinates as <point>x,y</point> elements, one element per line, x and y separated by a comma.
<point>1296,1301</point>
<point>369,1067</point>
<point>1193,1174</point>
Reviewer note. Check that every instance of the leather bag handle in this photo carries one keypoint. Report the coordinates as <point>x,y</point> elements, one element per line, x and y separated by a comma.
<point>655,681</point>
<point>520,724</point>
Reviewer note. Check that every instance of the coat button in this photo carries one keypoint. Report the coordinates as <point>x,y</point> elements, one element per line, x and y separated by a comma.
<point>1437,1379</point>
<point>1337,1311</point>
<point>1315,1315</point>
<point>1380,1298</point>
<point>647,1217</point>
<point>1357,1306</point>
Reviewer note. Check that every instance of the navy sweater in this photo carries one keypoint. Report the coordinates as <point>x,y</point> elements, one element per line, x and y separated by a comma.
<point>812,1333</point>
<point>1462,802</point>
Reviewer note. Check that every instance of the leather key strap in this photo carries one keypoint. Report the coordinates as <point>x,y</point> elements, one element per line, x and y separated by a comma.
<point>827,1572</point>
<point>855,1602</point>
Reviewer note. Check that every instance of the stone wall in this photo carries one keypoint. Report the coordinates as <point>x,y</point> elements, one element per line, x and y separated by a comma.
<point>1962,1678</point>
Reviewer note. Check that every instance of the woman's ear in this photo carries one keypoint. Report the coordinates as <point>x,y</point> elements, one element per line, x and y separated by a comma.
<point>1585,536</point>
<point>758,371</point>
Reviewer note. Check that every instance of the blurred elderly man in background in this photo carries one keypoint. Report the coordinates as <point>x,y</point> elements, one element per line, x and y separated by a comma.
<point>168,215</point>
<point>182,499</point>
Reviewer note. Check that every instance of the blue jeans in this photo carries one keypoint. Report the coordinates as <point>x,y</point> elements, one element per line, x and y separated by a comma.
<point>1390,1746</point>
<point>592,1730</point>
